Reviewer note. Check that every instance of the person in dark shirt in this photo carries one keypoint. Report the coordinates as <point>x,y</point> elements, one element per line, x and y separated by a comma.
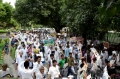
<point>42,49</point>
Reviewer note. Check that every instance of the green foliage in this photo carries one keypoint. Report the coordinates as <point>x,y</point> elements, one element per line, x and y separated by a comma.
<point>83,17</point>
<point>0,1</point>
<point>110,14</point>
<point>6,13</point>
<point>0,40</point>
<point>6,40</point>
<point>44,12</point>
<point>2,44</point>
<point>3,31</point>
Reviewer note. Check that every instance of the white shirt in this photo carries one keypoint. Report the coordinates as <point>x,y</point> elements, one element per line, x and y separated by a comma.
<point>25,73</point>
<point>39,75</point>
<point>48,53</point>
<point>37,66</point>
<point>54,72</point>
<point>99,63</point>
<point>19,59</point>
<point>56,56</point>
<point>24,50</point>
<point>105,75</point>
<point>3,73</point>
<point>36,45</point>
<point>17,52</point>
<point>94,67</point>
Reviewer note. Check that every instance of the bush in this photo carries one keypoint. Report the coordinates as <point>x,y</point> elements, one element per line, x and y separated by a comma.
<point>2,44</point>
<point>0,40</point>
<point>3,31</point>
<point>6,40</point>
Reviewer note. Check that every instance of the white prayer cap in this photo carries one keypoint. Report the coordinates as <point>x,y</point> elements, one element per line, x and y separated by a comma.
<point>105,47</point>
<point>38,54</point>
<point>92,44</point>
<point>114,52</point>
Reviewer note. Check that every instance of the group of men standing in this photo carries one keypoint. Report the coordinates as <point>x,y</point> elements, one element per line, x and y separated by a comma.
<point>64,59</point>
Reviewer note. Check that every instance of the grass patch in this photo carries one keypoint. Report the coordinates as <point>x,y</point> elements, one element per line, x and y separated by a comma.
<point>2,44</point>
<point>3,31</point>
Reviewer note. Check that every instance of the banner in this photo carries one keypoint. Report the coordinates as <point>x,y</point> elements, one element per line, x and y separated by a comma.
<point>48,42</point>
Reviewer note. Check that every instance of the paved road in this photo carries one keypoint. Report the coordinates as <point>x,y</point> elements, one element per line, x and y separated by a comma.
<point>3,36</point>
<point>8,60</point>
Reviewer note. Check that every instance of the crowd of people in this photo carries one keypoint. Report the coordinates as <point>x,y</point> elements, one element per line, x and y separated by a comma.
<point>64,59</point>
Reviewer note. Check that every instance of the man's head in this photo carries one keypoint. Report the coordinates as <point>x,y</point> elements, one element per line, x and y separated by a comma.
<point>62,56</point>
<point>54,62</point>
<point>26,64</point>
<point>108,63</point>
<point>38,58</point>
<point>51,56</point>
<point>70,54</point>
<point>101,57</point>
<point>103,51</point>
<point>42,69</point>
<point>53,52</point>
<point>4,67</point>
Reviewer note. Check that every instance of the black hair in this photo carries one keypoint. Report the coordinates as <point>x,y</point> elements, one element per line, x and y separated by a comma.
<point>34,47</point>
<point>62,55</point>
<point>70,53</point>
<point>83,59</point>
<point>53,52</point>
<point>81,65</point>
<point>51,55</point>
<point>107,61</point>
<point>54,61</point>
<point>26,64</point>
<point>67,46</point>
<point>38,57</point>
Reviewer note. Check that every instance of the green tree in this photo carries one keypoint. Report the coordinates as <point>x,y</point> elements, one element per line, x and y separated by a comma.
<point>45,12</point>
<point>81,17</point>
<point>6,13</point>
<point>110,11</point>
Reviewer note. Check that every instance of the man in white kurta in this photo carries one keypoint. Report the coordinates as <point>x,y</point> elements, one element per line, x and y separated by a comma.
<point>57,56</point>
<point>4,71</point>
<point>42,73</point>
<point>54,70</point>
<point>38,64</point>
<point>25,72</point>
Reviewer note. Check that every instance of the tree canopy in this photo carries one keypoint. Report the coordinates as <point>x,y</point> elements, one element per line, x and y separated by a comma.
<point>6,12</point>
<point>45,12</point>
<point>83,17</point>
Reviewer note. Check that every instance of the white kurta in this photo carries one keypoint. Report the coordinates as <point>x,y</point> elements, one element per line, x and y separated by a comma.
<point>25,73</point>
<point>3,73</point>
<point>39,75</point>
<point>54,72</point>
<point>37,66</point>
<point>57,57</point>
<point>48,53</point>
